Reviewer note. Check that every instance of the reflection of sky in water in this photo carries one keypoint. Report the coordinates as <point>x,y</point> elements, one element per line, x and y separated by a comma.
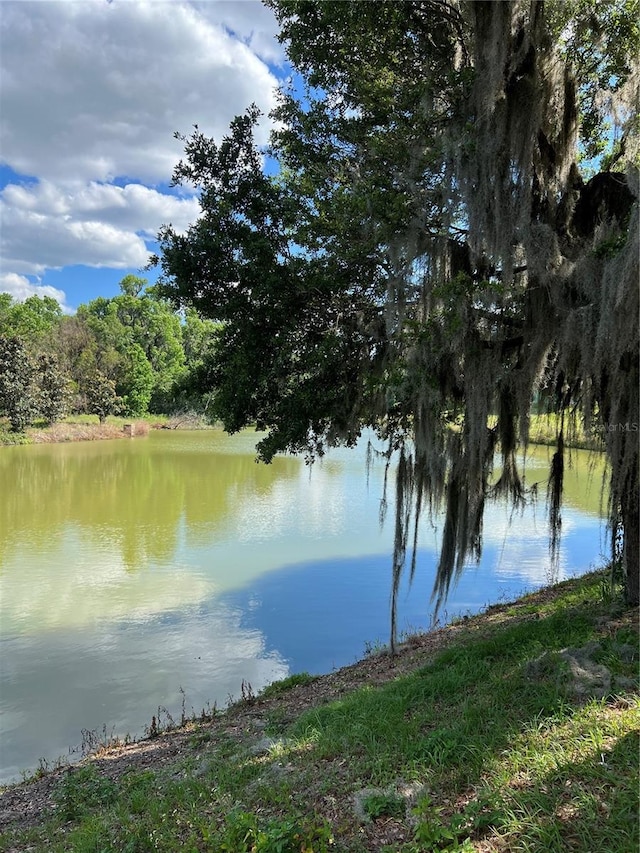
<point>75,586</point>
<point>118,673</point>
<point>206,569</point>
<point>321,615</point>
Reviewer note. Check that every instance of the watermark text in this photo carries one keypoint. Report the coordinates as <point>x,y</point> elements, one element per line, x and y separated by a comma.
<point>622,426</point>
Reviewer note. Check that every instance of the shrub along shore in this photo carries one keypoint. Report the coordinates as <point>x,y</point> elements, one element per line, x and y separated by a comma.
<point>513,730</point>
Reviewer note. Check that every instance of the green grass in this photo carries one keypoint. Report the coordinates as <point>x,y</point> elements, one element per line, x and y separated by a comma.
<point>8,437</point>
<point>544,428</point>
<point>278,687</point>
<point>498,752</point>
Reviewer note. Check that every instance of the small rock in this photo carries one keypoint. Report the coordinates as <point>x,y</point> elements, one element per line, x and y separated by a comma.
<point>360,798</point>
<point>585,678</point>
<point>589,679</point>
<point>626,652</point>
<point>623,684</point>
<point>265,745</point>
<point>202,769</point>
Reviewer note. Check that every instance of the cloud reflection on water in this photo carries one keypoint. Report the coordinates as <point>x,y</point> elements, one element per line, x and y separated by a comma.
<point>130,569</point>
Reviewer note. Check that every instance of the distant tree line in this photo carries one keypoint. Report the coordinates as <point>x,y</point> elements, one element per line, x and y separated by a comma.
<point>129,355</point>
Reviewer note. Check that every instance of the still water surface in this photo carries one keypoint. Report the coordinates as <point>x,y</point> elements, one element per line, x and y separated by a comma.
<point>136,573</point>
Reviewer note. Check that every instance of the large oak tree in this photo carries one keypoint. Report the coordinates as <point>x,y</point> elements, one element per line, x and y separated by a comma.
<point>435,251</point>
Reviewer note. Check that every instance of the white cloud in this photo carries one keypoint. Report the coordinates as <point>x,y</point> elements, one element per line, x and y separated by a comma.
<point>33,242</point>
<point>100,225</point>
<point>95,90</point>
<point>253,22</point>
<point>21,288</point>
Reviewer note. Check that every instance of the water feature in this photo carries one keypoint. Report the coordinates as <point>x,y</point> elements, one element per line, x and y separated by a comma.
<point>143,573</point>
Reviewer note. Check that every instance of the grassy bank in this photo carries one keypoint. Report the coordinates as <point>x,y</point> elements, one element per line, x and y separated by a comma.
<point>89,428</point>
<point>81,428</point>
<point>543,429</point>
<point>516,730</point>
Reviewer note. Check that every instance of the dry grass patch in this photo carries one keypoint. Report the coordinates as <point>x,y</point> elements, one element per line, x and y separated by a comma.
<point>70,431</point>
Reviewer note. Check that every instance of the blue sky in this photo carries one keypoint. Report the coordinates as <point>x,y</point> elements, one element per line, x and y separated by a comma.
<point>91,94</point>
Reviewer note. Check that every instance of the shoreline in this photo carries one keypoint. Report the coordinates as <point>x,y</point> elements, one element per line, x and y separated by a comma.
<point>260,740</point>
<point>83,430</point>
<point>117,427</point>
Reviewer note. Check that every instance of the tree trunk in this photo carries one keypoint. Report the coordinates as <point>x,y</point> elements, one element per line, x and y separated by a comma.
<point>631,548</point>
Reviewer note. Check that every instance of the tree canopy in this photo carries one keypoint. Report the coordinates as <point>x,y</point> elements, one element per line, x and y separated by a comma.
<point>129,355</point>
<point>438,250</point>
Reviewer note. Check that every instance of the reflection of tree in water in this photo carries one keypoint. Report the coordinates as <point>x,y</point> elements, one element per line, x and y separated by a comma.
<point>132,495</point>
<point>135,496</point>
<point>218,482</point>
<point>585,484</point>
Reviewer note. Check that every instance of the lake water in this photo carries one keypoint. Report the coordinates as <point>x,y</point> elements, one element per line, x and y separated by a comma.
<point>143,573</point>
